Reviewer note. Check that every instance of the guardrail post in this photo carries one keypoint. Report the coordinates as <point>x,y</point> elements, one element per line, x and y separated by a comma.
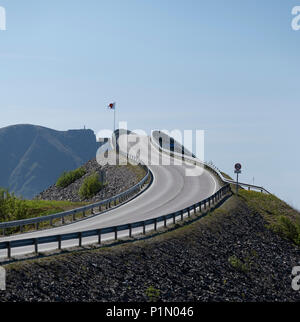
<point>181,215</point>
<point>80,239</point>
<point>165,221</point>
<point>83,214</point>
<point>59,242</point>
<point>130,231</point>
<point>51,223</point>
<point>8,249</point>
<point>195,209</point>
<point>99,236</point>
<point>116,233</point>
<point>3,231</point>
<point>144,228</point>
<point>249,188</point>
<point>62,220</point>
<point>21,228</point>
<point>200,206</point>
<point>36,246</point>
<point>155,224</point>
<point>189,212</point>
<point>209,202</point>
<point>74,216</point>
<point>174,218</point>
<point>36,226</point>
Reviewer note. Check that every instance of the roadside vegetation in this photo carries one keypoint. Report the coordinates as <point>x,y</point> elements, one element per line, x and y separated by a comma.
<point>69,177</point>
<point>13,208</point>
<point>228,255</point>
<point>90,186</point>
<point>281,217</point>
<point>225,175</point>
<point>137,170</point>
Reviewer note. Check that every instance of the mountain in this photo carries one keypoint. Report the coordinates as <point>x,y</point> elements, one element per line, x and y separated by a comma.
<point>33,157</point>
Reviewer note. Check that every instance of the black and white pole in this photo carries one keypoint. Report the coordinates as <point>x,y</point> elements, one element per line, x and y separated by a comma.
<point>115,118</point>
<point>112,106</point>
<point>238,168</point>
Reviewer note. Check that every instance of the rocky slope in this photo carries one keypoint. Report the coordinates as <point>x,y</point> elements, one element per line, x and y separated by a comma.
<point>119,179</point>
<point>192,263</point>
<point>34,156</point>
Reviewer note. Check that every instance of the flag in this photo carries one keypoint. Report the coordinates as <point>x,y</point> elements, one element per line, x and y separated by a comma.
<point>112,106</point>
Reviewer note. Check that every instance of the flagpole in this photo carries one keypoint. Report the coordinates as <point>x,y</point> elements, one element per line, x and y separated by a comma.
<point>114,119</point>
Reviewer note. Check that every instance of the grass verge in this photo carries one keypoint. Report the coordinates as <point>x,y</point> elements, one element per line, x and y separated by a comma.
<point>281,217</point>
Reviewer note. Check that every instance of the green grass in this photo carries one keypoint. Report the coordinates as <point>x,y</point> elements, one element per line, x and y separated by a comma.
<point>281,217</point>
<point>25,209</point>
<point>137,170</point>
<point>90,186</point>
<point>153,294</point>
<point>69,177</point>
<point>226,176</point>
<point>40,208</point>
<point>13,209</point>
<point>237,264</point>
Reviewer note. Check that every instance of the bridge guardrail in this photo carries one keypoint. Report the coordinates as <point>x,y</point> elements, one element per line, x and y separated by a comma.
<point>204,204</point>
<point>208,202</point>
<point>107,203</point>
<point>207,164</point>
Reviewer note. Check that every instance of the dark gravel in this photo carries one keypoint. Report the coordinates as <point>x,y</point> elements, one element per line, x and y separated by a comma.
<point>188,264</point>
<point>119,179</point>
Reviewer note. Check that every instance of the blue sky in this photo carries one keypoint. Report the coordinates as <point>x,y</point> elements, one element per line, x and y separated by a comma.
<point>230,68</point>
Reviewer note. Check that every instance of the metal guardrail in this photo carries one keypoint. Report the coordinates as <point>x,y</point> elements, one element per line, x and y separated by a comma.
<point>204,204</point>
<point>208,202</point>
<point>211,166</point>
<point>249,186</point>
<point>107,204</point>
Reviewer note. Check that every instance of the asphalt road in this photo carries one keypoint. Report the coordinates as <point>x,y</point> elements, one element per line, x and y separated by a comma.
<point>170,191</point>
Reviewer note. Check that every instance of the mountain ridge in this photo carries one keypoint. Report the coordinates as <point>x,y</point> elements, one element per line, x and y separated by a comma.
<point>33,157</point>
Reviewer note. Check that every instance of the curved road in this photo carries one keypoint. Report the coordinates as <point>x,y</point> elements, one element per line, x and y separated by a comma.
<point>170,191</point>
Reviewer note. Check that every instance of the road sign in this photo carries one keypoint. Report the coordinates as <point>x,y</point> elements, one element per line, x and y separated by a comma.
<point>238,167</point>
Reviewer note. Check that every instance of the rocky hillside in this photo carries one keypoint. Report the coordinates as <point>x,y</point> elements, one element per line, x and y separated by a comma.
<point>118,179</point>
<point>229,255</point>
<point>33,157</point>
